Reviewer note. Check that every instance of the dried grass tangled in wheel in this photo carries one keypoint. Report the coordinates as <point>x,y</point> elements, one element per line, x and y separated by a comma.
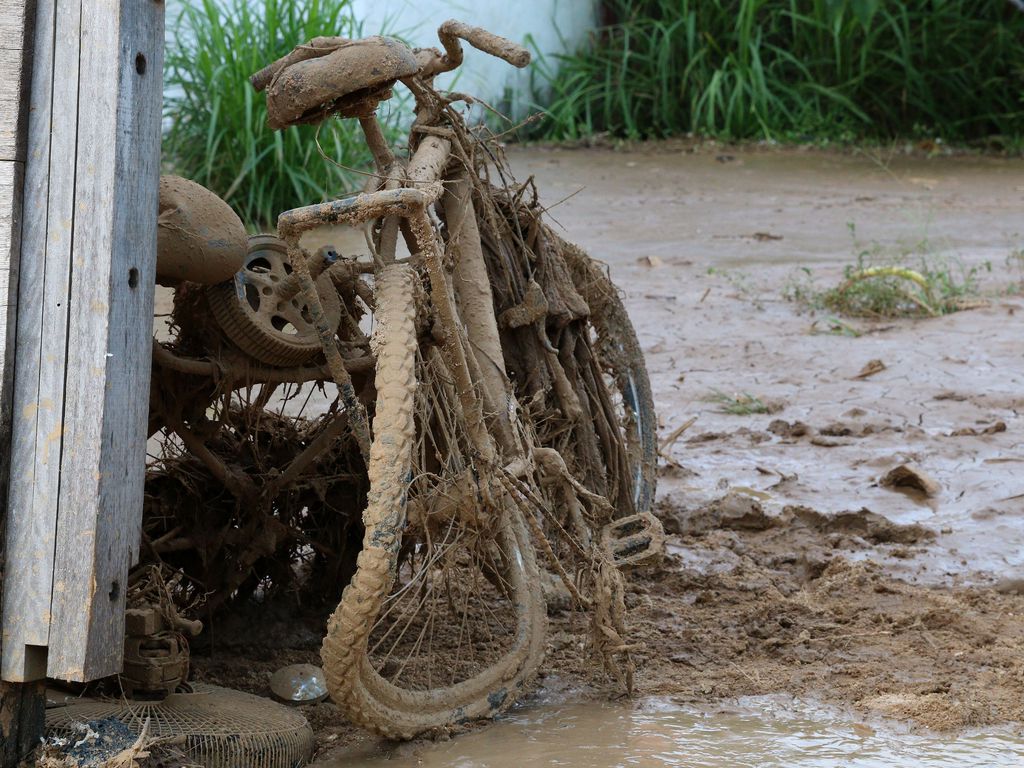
<point>575,364</point>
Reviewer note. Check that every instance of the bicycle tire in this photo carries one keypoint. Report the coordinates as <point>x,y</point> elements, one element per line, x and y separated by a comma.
<point>618,344</point>
<point>356,686</point>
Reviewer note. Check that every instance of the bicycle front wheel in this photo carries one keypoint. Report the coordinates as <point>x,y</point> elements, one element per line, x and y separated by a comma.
<point>443,621</point>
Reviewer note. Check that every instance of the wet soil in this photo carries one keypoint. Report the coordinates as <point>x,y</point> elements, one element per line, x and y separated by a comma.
<point>791,568</point>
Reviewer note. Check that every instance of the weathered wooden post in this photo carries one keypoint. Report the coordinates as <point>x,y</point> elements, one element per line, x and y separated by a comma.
<point>79,170</point>
<point>21,705</point>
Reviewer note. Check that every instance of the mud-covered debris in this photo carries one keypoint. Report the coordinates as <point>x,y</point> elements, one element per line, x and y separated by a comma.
<point>199,237</point>
<point>733,511</point>
<point>783,428</point>
<point>863,523</point>
<point>104,743</point>
<point>783,478</point>
<point>991,429</point>
<point>836,429</point>
<point>556,595</point>
<point>871,367</point>
<point>942,711</point>
<point>633,540</point>
<point>913,477</point>
<point>675,434</point>
<point>824,441</point>
<point>1010,586</point>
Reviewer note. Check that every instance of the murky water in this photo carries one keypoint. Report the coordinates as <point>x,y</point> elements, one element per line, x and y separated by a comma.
<point>761,732</point>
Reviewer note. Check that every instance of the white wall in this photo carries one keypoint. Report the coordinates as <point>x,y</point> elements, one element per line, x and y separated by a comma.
<point>554,25</point>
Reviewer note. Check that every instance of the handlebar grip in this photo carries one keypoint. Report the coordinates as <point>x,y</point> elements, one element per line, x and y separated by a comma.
<point>262,79</point>
<point>488,42</point>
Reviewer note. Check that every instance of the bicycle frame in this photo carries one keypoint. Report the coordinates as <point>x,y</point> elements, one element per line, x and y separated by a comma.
<point>464,338</point>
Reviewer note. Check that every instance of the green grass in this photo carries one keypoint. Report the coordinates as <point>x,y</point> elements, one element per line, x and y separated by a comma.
<point>739,404</point>
<point>216,132</point>
<point>788,70</point>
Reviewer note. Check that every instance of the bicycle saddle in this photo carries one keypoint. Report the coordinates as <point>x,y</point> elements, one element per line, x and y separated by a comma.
<point>333,75</point>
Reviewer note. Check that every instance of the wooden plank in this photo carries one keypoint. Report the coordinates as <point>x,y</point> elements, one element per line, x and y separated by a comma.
<point>10,97</point>
<point>110,320</point>
<point>11,182</point>
<point>22,706</point>
<point>39,366</point>
<point>13,14</point>
<point>13,17</point>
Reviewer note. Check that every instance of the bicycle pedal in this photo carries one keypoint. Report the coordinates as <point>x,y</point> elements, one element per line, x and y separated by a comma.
<point>633,540</point>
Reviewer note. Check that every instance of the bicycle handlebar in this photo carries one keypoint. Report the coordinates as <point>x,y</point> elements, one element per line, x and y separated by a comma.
<point>320,75</point>
<point>451,31</point>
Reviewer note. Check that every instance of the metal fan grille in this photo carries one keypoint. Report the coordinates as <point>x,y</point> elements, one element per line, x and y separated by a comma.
<point>222,728</point>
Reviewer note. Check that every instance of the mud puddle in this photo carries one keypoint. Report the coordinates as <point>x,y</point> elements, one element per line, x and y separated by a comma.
<point>760,732</point>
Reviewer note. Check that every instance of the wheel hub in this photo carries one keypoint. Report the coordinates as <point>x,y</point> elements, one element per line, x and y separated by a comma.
<point>262,312</point>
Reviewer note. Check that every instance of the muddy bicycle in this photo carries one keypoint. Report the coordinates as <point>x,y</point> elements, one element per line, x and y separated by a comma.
<point>482,429</point>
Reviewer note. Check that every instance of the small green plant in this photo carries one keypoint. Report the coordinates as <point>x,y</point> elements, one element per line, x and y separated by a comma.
<point>834,326</point>
<point>739,404</point>
<point>800,288</point>
<point>911,282</point>
<point>1015,262</point>
<point>216,124</point>
<point>937,287</point>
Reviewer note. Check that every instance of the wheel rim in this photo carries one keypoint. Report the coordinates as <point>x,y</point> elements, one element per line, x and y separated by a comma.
<point>460,602</point>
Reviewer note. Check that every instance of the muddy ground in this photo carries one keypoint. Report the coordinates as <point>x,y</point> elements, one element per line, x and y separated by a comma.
<point>790,567</point>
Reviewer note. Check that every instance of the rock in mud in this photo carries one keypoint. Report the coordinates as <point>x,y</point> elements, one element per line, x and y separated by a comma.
<point>991,429</point>
<point>913,477</point>
<point>783,428</point>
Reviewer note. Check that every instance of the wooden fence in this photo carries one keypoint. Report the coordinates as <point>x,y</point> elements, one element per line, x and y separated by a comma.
<point>80,99</point>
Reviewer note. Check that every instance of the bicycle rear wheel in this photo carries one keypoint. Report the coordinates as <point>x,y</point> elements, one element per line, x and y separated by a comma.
<point>443,621</point>
<point>619,362</point>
